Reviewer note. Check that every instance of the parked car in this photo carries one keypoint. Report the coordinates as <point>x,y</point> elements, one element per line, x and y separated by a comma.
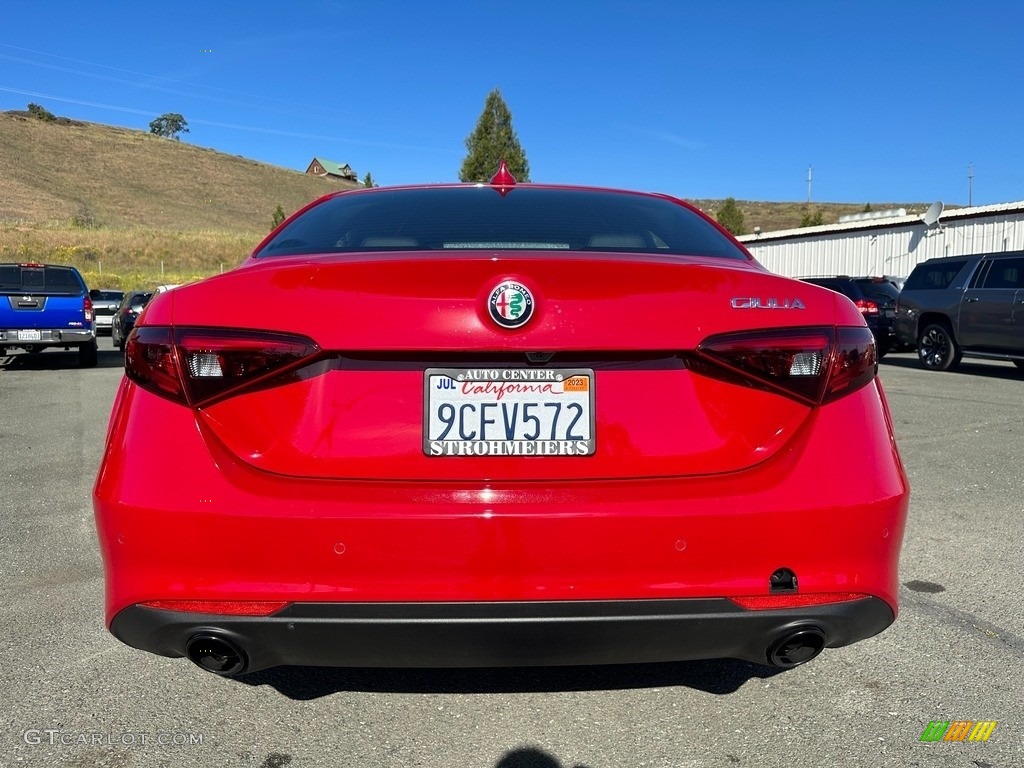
<point>896,281</point>
<point>43,306</point>
<point>104,304</point>
<point>124,318</point>
<point>964,306</point>
<point>875,297</point>
<point>502,424</point>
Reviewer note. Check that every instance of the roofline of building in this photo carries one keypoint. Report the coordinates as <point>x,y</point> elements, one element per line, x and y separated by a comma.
<point>978,211</point>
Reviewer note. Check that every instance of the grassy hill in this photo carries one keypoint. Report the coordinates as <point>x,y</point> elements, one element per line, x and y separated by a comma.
<point>131,209</point>
<point>117,177</point>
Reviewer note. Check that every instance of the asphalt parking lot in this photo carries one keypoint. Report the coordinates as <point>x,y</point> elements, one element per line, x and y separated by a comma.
<point>75,696</point>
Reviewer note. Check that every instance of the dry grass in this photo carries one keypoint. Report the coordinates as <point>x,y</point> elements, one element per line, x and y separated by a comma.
<point>128,258</point>
<point>118,177</point>
<point>130,209</point>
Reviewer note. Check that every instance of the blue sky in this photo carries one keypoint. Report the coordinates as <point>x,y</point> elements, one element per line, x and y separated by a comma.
<point>887,101</point>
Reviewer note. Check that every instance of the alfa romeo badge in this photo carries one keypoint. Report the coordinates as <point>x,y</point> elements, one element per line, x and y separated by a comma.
<point>510,304</point>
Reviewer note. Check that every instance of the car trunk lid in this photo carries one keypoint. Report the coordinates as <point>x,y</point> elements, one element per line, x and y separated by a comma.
<point>626,325</point>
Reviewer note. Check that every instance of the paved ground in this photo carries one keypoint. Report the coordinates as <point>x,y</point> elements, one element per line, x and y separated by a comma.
<point>957,651</point>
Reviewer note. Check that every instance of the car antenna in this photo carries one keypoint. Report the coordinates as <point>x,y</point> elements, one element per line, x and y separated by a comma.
<point>503,179</point>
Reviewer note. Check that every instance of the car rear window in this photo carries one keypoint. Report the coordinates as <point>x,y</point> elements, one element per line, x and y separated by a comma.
<point>106,295</point>
<point>936,275</point>
<point>17,278</point>
<point>136,299</point>
<point>878,289</point>
<point>467,218</point>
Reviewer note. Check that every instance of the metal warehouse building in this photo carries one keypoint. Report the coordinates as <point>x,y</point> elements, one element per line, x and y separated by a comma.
<point>889,245</point>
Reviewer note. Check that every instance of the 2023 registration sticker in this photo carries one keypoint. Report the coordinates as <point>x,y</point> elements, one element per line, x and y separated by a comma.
<point>508,412</point>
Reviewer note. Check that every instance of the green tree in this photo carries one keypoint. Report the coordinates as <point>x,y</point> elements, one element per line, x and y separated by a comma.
<point>730,216</point>
<point>492,141</point>
<point>85,218</point>
<point>169,125</point>
<point>368,181</point>
<point>812,221</point>
<point>867,207</point>
<point>41,113</point>
<point>278,216</point>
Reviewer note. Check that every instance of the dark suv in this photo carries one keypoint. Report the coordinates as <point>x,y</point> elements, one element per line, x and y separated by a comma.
<point>875,297</point>
<point>124,318</point>
<point>964,306</point>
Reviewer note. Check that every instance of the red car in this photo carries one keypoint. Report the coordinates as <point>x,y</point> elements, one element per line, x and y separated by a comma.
<point>495,425</point>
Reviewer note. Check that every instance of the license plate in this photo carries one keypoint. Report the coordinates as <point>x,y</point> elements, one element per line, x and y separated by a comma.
<point>508,412</point>
<point>30,336</point>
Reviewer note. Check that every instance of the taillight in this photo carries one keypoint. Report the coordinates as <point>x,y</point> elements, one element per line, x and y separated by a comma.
<point>149,361</point>
<point>854,363</point>
<point>195,366</point>
<point>87,307</point>
<point>814,365</point>
<point>867,306</point>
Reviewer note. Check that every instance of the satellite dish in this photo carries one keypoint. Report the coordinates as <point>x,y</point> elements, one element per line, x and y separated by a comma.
<point>931,216</point>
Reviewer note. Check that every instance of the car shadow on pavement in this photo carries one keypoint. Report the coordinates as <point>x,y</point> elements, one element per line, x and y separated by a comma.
<point>719,676</point>
<point>58,360</point>
<point>530,757</point>
<point>991,370</point>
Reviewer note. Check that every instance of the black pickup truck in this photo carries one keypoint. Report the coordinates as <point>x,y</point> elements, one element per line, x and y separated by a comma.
<point>45,305</point>
<point>964,306</point>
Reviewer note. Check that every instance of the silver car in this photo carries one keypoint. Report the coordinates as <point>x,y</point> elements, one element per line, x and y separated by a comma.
<point>104,304</point>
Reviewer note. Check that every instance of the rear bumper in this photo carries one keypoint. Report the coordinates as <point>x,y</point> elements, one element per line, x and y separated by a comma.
<point>883,329</point>
<point>48,337</point>
<point>347,554</point>
<point>493,634</point>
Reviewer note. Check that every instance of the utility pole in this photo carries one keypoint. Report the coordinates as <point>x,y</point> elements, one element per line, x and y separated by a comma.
<point>808,185</point>
<point>970,184</point>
